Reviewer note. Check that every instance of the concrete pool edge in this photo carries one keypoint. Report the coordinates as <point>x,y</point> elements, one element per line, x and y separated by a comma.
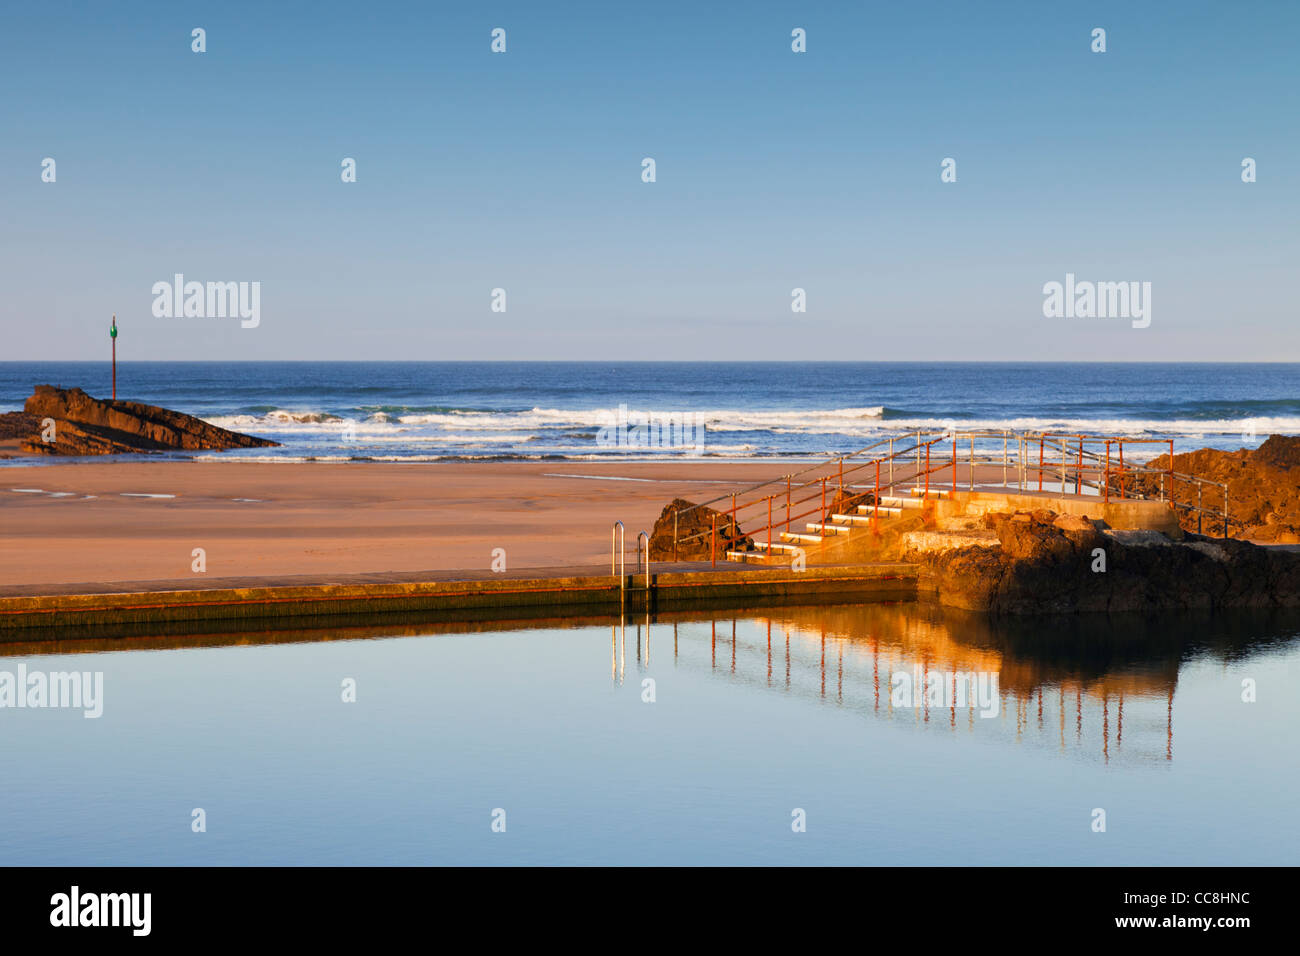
<point>25,616</point>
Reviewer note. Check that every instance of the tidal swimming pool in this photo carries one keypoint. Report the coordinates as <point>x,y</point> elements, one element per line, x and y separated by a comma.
<point>862,734</point>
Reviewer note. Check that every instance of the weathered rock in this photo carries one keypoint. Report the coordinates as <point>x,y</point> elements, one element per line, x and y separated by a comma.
<point>1278,451</point>
<point>1263,488</point>
<point>19,425</point>
<point>846,502</point>
<point>1045,565</point>
<point>90,426</point>
<point>1074,523</point>
<point>694,533</point>
<point>934,541</point>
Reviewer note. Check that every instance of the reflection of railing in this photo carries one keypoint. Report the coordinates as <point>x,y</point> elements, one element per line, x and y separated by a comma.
<point>1092,464</point>
<point>861,673</point>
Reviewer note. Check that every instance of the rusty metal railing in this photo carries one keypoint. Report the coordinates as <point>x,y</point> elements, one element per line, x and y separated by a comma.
<point>1109,475</point>
<point>793,500</point>
<point>1093,464</point>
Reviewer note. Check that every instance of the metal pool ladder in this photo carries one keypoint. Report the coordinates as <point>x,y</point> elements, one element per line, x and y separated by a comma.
<point>618,555</point>
<point>617,558</point>
<point>640,535</point>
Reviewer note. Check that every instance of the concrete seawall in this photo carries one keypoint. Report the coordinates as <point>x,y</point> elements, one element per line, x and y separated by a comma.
<point>25,616</point>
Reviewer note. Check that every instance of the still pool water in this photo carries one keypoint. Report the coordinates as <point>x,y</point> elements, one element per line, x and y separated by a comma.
<point>1143,719</point>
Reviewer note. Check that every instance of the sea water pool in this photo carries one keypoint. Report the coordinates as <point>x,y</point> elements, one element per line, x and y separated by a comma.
<point>552,724</point>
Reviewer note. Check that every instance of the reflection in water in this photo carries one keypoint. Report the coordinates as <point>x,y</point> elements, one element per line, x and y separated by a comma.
<point>757,711</point>
<point>1096,686</point>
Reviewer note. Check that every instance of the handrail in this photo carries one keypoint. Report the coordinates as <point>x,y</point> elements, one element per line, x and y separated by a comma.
<point>789,512</point>
<point>1103,482</point>
<point>616,533</point>
<point>795,474</point>
<point>805,491</point>
<point>1169,480</point>
<point>639,536</point>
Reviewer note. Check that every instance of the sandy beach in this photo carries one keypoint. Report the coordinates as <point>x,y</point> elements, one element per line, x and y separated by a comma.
<point>96,522</point>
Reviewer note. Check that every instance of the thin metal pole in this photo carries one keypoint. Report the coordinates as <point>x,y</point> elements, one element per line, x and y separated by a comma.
<point>954,463</point>
<point>1106,491</point>
<point>112,332</point>
<point>647,594</point>
<point>1171,468</point>
<point>622,559</point>
<point>1063,448</point>
<point>1121,469</point>
<point>731,530</point>
<point>713,542</point>
<point>787,504</point>
<point>875,515</point>
<point>926,496</point>
<point>1040,463</point>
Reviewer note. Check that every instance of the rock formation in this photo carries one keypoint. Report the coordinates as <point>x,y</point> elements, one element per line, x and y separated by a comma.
<point>1048,563</point>
<point>90,426</point>
<point>694,531</point>
<point>1263,488</point>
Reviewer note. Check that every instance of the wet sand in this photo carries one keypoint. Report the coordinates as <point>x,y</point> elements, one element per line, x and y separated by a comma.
<point>260,519</point>
<point>119,521</point>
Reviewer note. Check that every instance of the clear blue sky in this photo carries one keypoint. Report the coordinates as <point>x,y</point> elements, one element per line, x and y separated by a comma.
<point>775,170</point>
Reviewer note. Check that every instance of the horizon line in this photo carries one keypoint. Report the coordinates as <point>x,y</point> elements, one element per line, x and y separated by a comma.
<point>4,362</point>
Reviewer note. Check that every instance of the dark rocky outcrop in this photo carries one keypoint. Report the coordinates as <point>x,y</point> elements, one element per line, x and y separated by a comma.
<point>18,425</point>
<point>90,426</point>
<point>694,531</point>
<point>1263,488</point>
<point>1047,563</point>
<point>846,503</point>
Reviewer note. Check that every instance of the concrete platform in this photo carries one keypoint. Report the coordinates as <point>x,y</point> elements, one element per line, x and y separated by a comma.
<point>1124,514</point>
<point>547,591</point>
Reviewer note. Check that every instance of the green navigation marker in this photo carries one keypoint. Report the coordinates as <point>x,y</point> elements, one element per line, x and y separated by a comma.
<point>112,334</point>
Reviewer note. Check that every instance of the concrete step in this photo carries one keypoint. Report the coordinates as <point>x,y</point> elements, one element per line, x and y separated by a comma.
<point>858,520</point>
<point>746,557</point>
<point>934,492</point>
<point>801,538</point>
<point>776,546</point>
<point>829,528</point>
<point>884,510</point>
<point>895,502</point>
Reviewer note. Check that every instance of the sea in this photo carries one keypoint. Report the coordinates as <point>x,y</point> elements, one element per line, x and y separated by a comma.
<point>694,738</point>
<point>431,411</point>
